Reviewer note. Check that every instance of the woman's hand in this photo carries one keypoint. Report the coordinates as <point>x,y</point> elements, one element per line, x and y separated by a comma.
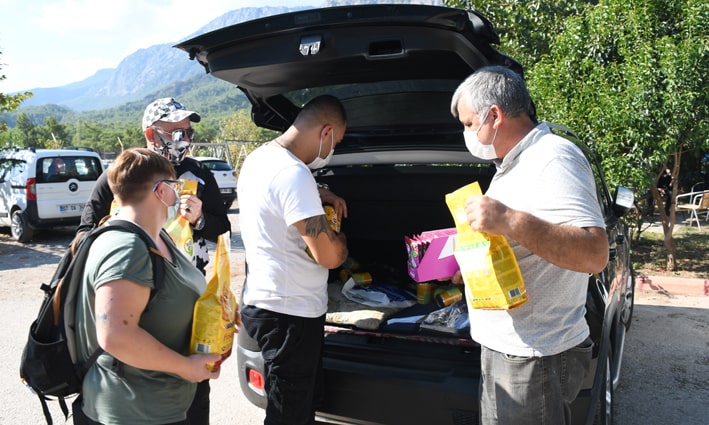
<point>197,371</point>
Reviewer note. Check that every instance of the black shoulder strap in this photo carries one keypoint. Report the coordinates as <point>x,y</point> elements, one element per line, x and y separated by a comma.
<point>63,287</point>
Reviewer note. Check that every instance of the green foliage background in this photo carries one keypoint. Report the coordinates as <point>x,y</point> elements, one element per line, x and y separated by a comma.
<point>628,76</point>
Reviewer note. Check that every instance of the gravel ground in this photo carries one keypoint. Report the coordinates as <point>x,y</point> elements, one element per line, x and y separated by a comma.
<point>665,372</point>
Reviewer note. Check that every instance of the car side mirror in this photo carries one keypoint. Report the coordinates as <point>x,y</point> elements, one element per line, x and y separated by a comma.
<point>622,201</point>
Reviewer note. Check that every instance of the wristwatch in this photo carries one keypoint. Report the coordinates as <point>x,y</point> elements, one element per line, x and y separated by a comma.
<point>199,224</point>
<point>323,186</point>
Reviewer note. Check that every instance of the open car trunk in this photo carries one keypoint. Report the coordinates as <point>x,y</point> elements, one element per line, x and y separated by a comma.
<point>385,204</point>
<point>379,360</point>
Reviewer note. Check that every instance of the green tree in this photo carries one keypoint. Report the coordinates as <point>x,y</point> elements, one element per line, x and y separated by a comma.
<point>243,135</point>
<point>526,28</point>
<point>54,133</point>
<point>631,76</point>
<point>240,127</point>
<point>26,131</point>
<point>9,103</point>
<point>628,76</point>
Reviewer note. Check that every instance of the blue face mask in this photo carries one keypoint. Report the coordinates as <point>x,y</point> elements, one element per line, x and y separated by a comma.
<point>174,208</point>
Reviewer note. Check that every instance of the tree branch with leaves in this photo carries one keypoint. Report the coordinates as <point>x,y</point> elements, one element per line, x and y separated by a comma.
<point>8,102</point>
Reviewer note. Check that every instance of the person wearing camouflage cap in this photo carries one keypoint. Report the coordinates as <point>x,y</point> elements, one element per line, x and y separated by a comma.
<point>167,126</point>
<point>166,123</point>
<point>169,110</point>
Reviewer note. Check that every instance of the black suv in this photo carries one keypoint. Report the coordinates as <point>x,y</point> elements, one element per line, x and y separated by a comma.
<point>395,67</point>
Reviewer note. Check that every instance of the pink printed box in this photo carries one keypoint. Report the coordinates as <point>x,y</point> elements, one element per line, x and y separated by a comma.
<point>430,255</point>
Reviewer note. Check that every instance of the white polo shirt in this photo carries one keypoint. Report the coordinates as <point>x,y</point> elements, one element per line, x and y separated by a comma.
<point>549,177</point>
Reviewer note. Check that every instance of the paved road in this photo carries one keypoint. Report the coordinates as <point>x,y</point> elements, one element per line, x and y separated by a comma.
<point>665,371</point>
<point>664,376</point>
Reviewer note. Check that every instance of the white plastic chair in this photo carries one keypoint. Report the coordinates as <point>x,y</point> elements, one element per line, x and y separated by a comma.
<point>695,203</point>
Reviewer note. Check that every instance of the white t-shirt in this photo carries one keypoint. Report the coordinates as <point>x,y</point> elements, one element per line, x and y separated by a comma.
<point>275,191</point>
<point>549,177</point>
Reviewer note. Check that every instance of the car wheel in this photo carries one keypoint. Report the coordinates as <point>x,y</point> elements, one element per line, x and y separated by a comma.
<point>20,228</point>
<point>629,300</point>
<point>604,410</point>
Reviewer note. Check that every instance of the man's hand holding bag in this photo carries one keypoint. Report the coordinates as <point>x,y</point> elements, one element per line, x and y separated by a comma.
<point>488,266</point>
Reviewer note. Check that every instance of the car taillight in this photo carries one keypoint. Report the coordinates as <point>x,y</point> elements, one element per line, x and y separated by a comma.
<point>255,379</point>
<point>233,173</point>
<point>31,189</point>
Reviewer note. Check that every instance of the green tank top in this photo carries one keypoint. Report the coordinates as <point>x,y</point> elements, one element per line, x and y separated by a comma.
<point>139,396</point>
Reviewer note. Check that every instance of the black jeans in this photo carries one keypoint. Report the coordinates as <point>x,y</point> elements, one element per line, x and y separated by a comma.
<point>291,348</point>
<point>198,413</point>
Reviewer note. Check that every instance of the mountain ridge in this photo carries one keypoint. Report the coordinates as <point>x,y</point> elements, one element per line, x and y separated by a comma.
<point>118,94</point>
<point>142,72</point>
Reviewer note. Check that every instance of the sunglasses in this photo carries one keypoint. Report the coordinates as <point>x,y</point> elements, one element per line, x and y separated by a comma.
<point>175,184</point>
<point>179,134</point>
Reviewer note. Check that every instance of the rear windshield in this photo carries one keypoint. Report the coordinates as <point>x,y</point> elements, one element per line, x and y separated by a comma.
<point>386,104</point>
<point>217,165</point>
<point>58,169</point>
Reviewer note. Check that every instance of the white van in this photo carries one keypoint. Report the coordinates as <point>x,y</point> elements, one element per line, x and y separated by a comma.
<point>42,188</point>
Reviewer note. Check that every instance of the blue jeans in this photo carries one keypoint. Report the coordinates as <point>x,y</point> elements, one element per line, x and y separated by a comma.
<point>291,348</point>
<point>531,390</point>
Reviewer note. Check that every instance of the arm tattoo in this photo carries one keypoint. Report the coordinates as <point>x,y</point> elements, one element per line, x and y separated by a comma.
<point>316,225</point>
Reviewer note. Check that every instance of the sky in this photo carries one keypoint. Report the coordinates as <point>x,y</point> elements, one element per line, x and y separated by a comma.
<point>51,43</point>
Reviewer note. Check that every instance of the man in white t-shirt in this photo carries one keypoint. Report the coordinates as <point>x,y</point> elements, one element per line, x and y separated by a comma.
<point>289,248</point>
<point>543,199</point>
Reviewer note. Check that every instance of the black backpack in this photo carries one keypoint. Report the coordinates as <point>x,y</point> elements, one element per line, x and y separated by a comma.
<point>49,363</point>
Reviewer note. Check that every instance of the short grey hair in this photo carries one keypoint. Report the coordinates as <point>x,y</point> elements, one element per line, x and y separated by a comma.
<point>494,85</point>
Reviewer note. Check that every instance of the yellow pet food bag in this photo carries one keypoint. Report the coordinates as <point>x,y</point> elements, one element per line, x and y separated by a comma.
<point>214,320</point>
<point>179,227</point>
<point>488,265</point>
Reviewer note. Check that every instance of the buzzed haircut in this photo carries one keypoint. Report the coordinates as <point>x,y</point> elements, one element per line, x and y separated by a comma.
<point>323,109</point>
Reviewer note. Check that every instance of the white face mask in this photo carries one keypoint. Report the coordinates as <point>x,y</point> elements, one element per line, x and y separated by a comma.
<point>174,208</point>
<point>321,162</point>
<point>472,142</point>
